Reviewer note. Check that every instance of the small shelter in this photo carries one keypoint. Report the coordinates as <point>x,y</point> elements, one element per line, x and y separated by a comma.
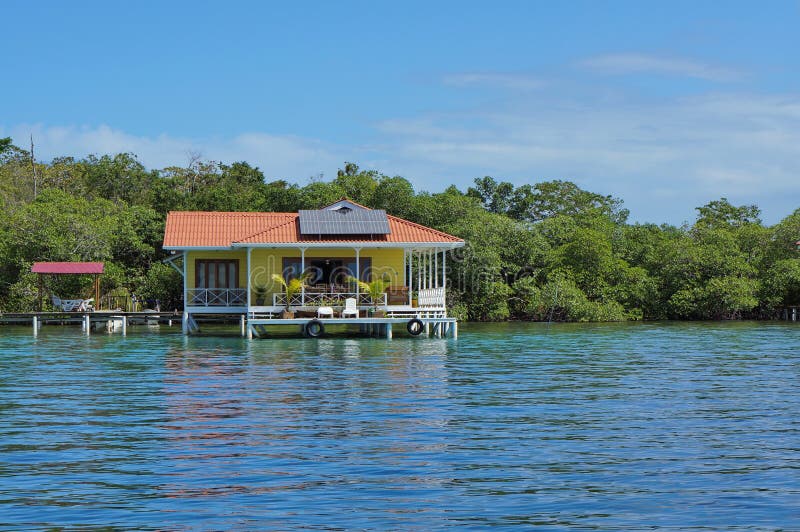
<point>69,268</point>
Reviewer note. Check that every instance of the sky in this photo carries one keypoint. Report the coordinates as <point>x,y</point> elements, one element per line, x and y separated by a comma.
<point>666,105</point>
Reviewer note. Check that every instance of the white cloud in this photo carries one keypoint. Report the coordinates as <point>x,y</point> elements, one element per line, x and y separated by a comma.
<point>278,156</point>
<point>632,63</point>
<point>663,159</point>
<point>499,80</point>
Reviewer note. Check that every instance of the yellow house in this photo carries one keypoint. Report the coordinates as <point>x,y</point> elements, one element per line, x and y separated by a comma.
<point>229,259</point>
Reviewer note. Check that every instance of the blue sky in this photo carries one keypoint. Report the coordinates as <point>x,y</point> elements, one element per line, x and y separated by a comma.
<point>667,105</point>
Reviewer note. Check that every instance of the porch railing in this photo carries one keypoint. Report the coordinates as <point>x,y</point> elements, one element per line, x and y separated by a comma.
<point>217,297</point>
<point>325,299</point>
<point>431,297</point>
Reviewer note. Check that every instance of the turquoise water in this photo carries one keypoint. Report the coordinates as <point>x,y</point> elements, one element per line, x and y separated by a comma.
<point>607,427</point>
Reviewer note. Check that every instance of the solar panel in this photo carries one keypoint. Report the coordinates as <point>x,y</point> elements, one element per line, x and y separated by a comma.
<point>344,221</point>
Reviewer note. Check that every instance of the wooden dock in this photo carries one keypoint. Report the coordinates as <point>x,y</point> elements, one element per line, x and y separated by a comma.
<point>254,327</point>
<point>381,327</point>
<point>98,320</point>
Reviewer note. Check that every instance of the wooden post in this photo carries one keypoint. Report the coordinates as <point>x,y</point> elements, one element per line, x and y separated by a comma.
<point>39,299</point>
<point>96,291</point>
<point>303,288</point>
<point>249,258</point>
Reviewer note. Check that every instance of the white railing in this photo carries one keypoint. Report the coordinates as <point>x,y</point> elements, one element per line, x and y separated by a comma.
<point>217,297</point>
<point>431,297</point>
<point>325,299</point>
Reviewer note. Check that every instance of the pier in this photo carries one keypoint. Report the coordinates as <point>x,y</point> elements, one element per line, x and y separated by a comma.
<point>254,327</point>
<point>111,321</point>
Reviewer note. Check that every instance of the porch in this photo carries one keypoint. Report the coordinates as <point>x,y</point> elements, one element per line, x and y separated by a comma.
<point>416,278</point>
<point>234,300</point>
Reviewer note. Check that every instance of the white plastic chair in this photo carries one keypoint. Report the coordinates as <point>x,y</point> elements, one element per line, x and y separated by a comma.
<point>324,311</point>
<point>350,308</point>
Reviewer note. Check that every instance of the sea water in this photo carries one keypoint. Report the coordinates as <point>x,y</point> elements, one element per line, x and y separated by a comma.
<point>674,426</point>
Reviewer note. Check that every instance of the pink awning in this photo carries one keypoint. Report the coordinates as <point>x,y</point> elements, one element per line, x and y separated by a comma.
<point>67,268</point>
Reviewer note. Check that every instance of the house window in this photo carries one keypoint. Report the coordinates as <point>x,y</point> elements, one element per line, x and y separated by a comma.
<point>217,274</point>
<point>331,271</point>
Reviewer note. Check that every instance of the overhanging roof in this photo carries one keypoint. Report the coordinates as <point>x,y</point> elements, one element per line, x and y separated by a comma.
<point>68,268</point>
<point>223,230</point>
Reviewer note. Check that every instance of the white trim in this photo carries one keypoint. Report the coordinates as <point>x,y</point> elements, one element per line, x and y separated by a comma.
<point>444,269</point>
<point>408,275</point>
<point>171,261</point>
<point>196,248</point>
<point>185,280</point>
<point>419,269</point>
<point>358,271</point>
<point>302,271</point>
<point>249,253</point>
<point>436,268</point>
<point>364,244</point>
<point>217,310</point>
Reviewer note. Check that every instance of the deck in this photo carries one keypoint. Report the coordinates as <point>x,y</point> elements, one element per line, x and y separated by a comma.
<point>382,327</point>
<point>251,325</point>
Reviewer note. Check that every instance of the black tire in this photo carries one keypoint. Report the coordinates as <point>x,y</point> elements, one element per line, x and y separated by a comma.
<point>314,329</point>
<point>415,327</point>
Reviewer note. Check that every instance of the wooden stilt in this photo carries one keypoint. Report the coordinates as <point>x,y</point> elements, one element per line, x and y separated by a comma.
<point>39,298</point>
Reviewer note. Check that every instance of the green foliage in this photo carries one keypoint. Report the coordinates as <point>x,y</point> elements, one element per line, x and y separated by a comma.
<point>292,287</point>
<point>538,251</point>
<point>781,285</point>
<point>375,288</point>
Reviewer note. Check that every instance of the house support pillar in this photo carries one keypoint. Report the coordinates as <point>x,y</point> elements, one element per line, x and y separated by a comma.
<point>185,323</point>
<point>302,271</point>
<point>358,274</point>
<point>249,253</point>
<point>242,323</point>
<point>185,289</point>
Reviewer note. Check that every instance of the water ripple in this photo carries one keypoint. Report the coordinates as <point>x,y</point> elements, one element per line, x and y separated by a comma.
<point>606,427</point>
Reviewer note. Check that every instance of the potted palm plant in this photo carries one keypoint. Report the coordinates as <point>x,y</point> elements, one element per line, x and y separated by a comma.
<point>374,289</point>
<point>291,289</point>
<point>261,294</point>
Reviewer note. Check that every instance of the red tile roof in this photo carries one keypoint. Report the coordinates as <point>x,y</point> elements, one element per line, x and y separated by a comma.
<point>68,268</point>
<point>222,229</point>
<point>217,229</point>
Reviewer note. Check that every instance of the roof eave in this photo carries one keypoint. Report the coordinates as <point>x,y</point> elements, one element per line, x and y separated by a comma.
<point>448,245</point>
<point>196,248</point>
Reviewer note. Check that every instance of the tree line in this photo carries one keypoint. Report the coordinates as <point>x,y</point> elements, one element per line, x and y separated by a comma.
<point>541,251</point>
